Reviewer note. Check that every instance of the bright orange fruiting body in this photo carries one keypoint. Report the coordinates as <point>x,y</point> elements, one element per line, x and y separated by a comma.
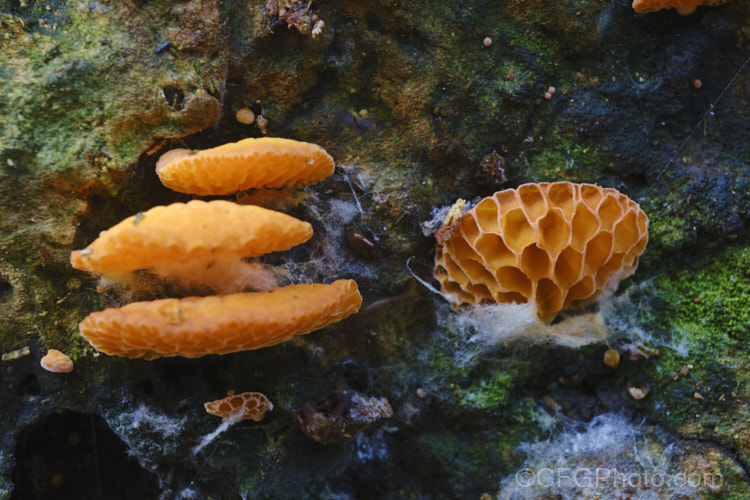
<point>264,163</point>
<point>195,326</point>
<point>247,405</point>
<point>556,244</point>
<point>183,232</point>
<point>683,6</point>
<point>57,362</point>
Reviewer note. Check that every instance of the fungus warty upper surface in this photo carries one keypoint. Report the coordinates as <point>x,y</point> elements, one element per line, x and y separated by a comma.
<point>247,405</point>
<point>263,163</point>
<point>684,7</point>
<point>558,244</point>
<point>195,326</point>
<point>194,230</point>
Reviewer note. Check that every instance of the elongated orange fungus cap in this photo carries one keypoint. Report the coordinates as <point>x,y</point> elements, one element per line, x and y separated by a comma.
<point>262,163</point>
<point>684,7</point>
<point>248,405</point>
<point>185,231</point>
<point>195,326</point>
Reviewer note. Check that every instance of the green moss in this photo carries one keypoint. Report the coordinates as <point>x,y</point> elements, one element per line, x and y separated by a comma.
<point>563,157</point>
<point>487,394</point>
<point>705,308</point>
<point>698,196</point>
<point>710,300</point>
<point>670,231</point>
<point>455,458</point>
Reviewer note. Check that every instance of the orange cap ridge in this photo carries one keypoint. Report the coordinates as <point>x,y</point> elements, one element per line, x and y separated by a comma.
<point>186,231</point>
<point>263,163</point>
<point>195,326</point>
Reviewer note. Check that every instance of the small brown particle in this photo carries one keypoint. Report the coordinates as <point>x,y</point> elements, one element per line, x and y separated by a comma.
<point>57,479</point>
<point>74,438</point>
<point>611,357</point>
<point>638,389</point>
<point>262,124</point>
<point>551,404</point>
<point>685,370</point>
<point>636,393</point>
<point>245,116</point>
<point>697,83</point>
<point>361,244</point>
<point>487,42</point>
<point>341,415</point>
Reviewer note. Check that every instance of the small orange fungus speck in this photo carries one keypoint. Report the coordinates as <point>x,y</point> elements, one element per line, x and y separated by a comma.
<point>57,362</point>
<point>247,405</point>
<point>195,326</point>
<point>264,163</point>
<point>184,232</point>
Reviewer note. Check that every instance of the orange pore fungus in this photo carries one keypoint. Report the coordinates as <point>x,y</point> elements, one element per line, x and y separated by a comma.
<point>558,245</point>
<point>183,232</point>
<point>219,324</point>
<point>684,7</point>
<point>264,163</point>
<point>248,405</point>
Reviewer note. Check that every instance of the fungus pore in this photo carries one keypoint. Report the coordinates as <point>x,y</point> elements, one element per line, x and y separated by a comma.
<point>264,163</point>
<point>248,405</point>
<point>195,326</point>
<point>557,245</point>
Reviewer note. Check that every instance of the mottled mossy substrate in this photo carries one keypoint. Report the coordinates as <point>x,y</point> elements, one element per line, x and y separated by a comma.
<point>90,95</point>
<point>698,307</point>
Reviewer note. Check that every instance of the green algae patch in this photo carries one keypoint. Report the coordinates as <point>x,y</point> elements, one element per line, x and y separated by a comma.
<point>454,458</point>
<point>563,157</point>
<point>696,195</point>
<point>488,394</point>
<point>701,379</point>
<point>710,301</point>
